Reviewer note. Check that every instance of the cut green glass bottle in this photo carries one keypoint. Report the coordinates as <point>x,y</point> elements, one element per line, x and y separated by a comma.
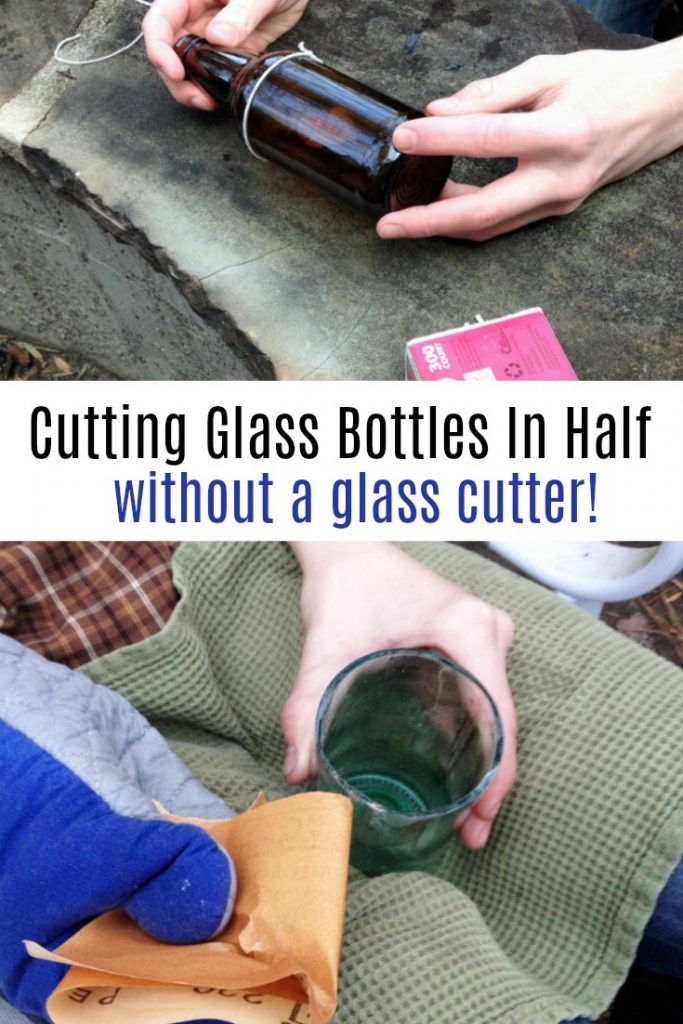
<point>412,739</point>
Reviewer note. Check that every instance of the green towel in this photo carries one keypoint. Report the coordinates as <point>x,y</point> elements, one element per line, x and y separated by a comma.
<point>542,925</point>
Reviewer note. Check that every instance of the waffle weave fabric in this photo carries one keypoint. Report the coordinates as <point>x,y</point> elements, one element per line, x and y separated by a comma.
<point>542,926</point>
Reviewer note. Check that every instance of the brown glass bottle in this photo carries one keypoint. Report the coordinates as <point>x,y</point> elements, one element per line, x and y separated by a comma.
<point>318,122</point>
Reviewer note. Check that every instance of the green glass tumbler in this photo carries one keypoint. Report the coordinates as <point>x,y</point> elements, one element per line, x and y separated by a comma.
<point>413,739</point>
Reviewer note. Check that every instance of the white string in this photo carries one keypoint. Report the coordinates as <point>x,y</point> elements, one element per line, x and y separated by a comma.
<point>300,52</point>
<point>96,60</point>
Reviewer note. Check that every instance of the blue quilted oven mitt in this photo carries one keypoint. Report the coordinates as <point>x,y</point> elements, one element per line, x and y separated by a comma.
<point>79,835</point>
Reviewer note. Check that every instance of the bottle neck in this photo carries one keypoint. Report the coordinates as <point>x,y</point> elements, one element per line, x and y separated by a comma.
<point>219,72</point>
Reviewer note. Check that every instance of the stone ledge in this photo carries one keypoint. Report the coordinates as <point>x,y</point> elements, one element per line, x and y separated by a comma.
<point>298,285</point>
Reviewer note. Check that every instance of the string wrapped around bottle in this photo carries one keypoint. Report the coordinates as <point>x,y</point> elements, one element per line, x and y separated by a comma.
<point>301,52</point>
<point>297,111</point>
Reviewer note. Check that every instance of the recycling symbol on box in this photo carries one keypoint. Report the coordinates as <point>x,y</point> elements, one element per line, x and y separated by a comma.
<point>513,370</point>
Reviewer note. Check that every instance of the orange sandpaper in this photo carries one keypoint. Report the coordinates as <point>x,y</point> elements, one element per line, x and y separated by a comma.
<point>277,961</point>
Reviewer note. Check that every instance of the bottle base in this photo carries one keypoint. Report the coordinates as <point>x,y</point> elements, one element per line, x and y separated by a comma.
<point>418,180</point>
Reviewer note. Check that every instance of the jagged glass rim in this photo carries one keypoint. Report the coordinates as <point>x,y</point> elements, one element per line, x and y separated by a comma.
<point>438,812</point>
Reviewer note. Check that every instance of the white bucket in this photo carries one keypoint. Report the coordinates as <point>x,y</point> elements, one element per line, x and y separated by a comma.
<point>592,572</point>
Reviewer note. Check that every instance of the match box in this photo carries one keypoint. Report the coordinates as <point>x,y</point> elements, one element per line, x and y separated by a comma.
<point>518,347</point>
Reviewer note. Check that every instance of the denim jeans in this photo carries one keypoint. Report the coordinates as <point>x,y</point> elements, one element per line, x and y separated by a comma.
<point>661,947</point>
<point>636,16</point>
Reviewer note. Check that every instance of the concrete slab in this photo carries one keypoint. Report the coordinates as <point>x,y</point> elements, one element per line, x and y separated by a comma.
<point>31,82</point>
<point>66,280</point>
<point>305,280</point>
<point>29,34</point>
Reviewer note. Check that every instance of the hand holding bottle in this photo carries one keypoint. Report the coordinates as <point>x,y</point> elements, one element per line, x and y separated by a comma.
<point>236,24</point>
<point>357,598</point>
<point>574,123</point>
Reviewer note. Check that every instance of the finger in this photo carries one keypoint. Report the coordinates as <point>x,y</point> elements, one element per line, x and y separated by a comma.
<point>457,188</point>
<point>256,41</point>
<point>189,94</point>
<point>476,827</point>
<point>297,721</point>
<point>553,209</point>
<point>519,87</point>
<point>462,818</point>
<point>479,642</point>
<point>190,895</point>
<point>161,26</point>
<point>452,189</point>
<point>474,832</point>
<point>238,19</point>
<point>537,214</point>
<point>484,136</point>
<point>274,26</point>
<point>513,196</point>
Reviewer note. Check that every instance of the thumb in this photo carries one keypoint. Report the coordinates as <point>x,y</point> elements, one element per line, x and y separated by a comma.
<point>297,720</point>
<point>190,888</point>
<point>71,857</point>
<point>182,884</point>
<point>238,19</point>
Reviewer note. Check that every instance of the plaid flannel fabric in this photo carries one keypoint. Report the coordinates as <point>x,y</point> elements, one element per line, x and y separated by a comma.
<point>75,601</point>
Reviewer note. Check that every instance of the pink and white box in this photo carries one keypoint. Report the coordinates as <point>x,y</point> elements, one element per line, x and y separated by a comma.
<point>518,347</point>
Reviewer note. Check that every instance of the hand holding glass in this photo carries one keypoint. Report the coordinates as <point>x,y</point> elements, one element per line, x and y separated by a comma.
<point>412,739</point>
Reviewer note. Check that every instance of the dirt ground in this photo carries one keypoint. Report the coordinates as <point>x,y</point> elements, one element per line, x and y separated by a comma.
<point>655,620</point>
<point>22,360</point>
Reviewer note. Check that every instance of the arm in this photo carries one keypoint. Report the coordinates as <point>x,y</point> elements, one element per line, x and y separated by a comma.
<point>358,598</point>
<point>574,123</point>
<point>79,833</point>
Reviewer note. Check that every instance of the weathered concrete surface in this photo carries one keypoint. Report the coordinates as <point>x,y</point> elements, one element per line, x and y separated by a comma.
<point>30,81</point>
<point>28,34</point>
<point>96,296</point>
<point>306,279</point>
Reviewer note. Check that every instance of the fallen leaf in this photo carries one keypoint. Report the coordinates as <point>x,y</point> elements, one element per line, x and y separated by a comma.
<point>637,627</point>
<point>18,354</point>
<point>62,366</point>
<point>32,351</point>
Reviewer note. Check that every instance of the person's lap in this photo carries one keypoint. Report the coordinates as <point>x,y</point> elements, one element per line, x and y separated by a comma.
<point>660,951</point>
<point>661,948</point>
